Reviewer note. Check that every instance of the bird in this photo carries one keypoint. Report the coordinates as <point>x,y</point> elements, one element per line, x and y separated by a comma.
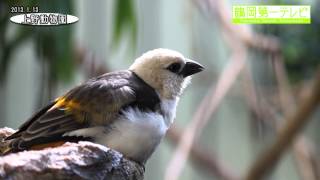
<point>126,110</point>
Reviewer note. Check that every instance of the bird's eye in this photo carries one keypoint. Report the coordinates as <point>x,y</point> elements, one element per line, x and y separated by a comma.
<point>175,67</point>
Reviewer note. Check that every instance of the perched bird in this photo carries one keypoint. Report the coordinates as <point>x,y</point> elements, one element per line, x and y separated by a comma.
<point>129,110</point>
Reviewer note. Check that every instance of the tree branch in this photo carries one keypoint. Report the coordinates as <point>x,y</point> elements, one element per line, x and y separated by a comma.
<point>83,160</point>
<point>287,134</point>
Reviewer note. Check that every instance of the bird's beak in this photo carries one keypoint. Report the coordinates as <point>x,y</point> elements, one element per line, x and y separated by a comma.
<point>190,68</point>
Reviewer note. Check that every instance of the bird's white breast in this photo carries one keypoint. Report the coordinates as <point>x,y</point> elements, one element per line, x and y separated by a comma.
<point>136,133</point>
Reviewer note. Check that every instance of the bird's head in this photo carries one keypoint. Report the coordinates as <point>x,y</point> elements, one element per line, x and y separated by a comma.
<point>167,71</point>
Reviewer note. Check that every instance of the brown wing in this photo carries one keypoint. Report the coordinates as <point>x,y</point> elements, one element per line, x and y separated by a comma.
<point>49,127</point>
<point>96,102</point>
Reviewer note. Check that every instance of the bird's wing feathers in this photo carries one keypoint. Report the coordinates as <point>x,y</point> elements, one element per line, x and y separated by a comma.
<point>103,97</point>
<point>96,102</point>
<point>45,129</point>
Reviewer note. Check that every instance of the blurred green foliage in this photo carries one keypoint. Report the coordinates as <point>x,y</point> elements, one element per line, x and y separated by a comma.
<point>54,44</point>
<point>124,19</point>
<point>300,43</point>
<point>8,46</point>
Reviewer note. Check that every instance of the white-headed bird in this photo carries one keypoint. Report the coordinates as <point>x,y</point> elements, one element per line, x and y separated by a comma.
<point>129,110</point>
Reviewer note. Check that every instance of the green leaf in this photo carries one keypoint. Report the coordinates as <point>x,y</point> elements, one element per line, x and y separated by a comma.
<point>124,21</point>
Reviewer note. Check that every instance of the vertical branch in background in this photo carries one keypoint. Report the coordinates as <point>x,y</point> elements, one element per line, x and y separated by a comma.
<point>285,93</point>
<point>251,94</point>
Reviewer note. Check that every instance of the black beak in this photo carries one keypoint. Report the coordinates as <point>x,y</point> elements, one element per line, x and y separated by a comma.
<point>190,68</point>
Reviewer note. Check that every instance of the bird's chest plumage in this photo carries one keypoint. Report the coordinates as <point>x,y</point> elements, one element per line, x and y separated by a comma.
<point>137,133</point>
